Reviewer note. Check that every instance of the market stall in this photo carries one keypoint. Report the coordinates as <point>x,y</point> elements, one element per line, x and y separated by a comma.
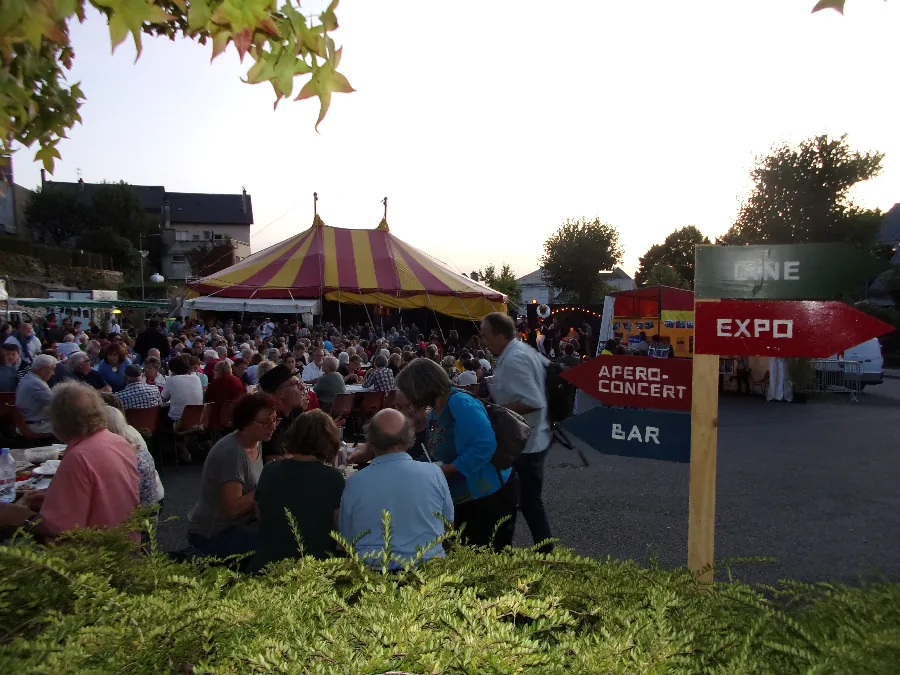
<point>661,310</point>
<point>372,268</point>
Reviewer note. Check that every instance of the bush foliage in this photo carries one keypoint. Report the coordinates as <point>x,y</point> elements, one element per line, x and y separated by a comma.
<point>92,606</point>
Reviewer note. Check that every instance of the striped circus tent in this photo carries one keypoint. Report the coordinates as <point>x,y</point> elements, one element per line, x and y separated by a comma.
<point>370,267</point>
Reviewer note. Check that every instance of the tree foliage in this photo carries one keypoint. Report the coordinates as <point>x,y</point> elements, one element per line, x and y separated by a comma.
<point>801,194</point>
<point>505,282</point>
<point>56,216</point>
<point>676,252</point>
<point>111,223</point>
<point>89,606</point>
<point>665,275</point>
<point>575,255</point>
<point>207,259</point>
<point>40,107</point>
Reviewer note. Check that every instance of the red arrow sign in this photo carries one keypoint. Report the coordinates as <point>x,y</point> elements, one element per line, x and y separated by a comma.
<point>784,329</point>
<point>635,381</point>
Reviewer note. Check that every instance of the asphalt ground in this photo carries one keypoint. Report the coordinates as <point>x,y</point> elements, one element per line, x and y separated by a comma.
<point>813,486</point>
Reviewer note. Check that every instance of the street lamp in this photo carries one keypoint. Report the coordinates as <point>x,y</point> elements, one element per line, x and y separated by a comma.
<point>143,253</point>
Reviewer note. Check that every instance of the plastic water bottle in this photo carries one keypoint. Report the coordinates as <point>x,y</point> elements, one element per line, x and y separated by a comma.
<point>7,476</point>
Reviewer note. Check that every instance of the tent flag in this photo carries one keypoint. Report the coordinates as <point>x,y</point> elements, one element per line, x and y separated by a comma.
<point>353,266</point>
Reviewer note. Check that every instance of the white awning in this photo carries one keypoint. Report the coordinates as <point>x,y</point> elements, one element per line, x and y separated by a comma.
<point>254,305</point>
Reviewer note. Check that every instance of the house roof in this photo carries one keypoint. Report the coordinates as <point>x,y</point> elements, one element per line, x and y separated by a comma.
<point>532,279</point>
<point>890,226</point>
<point>194,207</point>
<point>184,207</point>
<point>151,197</point>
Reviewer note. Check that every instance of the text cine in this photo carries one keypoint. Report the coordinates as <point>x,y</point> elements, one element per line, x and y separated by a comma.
<point>637,381</point>
<point>763,270</point>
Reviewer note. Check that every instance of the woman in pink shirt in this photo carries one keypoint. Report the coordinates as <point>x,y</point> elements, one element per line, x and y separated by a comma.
<point>96,484</point>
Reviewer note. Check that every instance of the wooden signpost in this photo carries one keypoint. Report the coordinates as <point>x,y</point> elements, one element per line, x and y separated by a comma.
<point>734,315</point>
<point>730,320</point>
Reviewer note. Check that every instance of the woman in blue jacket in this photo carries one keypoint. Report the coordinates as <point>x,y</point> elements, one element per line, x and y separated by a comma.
<point>460,436</point>
<point>112,366</point>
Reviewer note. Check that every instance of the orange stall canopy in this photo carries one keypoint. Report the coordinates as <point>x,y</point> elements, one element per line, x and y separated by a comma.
<point>650,302</point>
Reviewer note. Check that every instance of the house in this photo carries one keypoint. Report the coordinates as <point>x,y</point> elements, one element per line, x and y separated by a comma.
<point>193,220</point>
<point>13,201</point>
<point>618,279</point>
<point>534,288</point>
<point>188,221</point>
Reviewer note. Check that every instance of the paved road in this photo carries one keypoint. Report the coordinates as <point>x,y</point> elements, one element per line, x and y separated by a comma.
<point>814,486</point>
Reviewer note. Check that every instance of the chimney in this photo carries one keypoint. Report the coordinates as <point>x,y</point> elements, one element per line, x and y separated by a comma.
<point>43,177</point>
<point>244,201</point>
<point>167,213</point>
<point>81,184</point>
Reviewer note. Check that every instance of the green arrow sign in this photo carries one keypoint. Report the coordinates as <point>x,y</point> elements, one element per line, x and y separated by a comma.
<point>782,272</point>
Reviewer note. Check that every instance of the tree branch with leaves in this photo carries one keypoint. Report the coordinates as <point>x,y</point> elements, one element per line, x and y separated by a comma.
<point>39,107</point>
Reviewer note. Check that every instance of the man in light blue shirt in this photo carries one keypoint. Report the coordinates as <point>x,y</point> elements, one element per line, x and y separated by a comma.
<point>412,492</point>
<point>519,383</point>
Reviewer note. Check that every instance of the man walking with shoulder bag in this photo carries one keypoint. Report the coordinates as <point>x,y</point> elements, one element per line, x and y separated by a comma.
<point>519,383</point>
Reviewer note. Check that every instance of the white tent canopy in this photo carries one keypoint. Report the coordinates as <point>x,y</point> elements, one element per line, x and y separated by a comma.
<point>256,306</point>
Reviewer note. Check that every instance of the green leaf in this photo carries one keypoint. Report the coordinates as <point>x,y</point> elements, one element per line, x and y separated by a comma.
<point>198,14</point>
<point>47,154</point>
<point>325,80</point>
<point>328,17</point>
<point>836,5</point>
<point>129,16</point>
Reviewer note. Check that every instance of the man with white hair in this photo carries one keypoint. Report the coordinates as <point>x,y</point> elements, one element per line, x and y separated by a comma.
<point>313,371</point>
<point>330,384</point>
<point>222,354</point>
<point>67,347</point>
<point>80,365</point>
<point>29,345</point>
<point>33,394</point>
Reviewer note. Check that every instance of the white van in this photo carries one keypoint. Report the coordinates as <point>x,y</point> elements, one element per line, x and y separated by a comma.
<point>871,361</point>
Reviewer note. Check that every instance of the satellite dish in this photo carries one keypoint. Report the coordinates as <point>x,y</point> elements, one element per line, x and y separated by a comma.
<point>543,311</point>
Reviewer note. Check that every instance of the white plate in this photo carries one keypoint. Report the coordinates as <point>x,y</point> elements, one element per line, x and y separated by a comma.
<point>48,468</point>
<point>42,454</point>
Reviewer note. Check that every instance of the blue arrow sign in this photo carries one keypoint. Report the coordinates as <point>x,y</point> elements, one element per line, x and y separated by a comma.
<point>647,434</point>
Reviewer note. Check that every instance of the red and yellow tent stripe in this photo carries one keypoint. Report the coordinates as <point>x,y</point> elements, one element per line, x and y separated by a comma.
<point>353,266</point>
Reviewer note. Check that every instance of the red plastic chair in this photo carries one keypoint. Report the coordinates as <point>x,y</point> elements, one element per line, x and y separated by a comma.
<point>227,414</point>
<point>27,433</point>
<point>390,399</point>
<point>370,403</point>
<point>212,417</point>
<point>145,420</point>
<point>342,406</point>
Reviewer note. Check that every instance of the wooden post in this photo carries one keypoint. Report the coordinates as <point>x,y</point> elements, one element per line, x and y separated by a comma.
<point>704,441</point>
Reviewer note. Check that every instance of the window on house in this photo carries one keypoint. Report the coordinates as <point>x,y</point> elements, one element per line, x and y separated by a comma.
<point>218,236</point>
<point>178,258</point>
<point>182,236</point>
<point>196,236</point>
<point>207,234</point>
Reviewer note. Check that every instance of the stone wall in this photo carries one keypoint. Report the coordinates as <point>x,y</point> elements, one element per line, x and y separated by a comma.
<point>32,278</point>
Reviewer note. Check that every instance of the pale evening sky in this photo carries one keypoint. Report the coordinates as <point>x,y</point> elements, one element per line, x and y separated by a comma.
<point>487,124</point>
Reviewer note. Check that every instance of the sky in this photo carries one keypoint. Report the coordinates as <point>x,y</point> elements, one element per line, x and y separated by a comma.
<point>488,124</point>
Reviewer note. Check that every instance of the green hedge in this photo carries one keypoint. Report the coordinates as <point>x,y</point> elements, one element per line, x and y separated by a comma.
<point>91,607</point>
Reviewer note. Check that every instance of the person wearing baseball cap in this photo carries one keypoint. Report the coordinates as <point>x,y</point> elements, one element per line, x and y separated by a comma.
<point>290,398</point>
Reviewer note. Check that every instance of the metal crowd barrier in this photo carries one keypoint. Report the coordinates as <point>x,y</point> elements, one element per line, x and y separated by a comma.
<point>836,376</point>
